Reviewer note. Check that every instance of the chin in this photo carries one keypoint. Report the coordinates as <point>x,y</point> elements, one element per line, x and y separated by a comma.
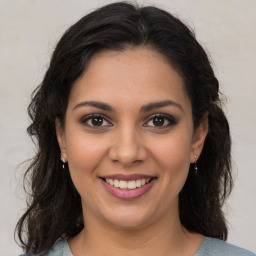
<point>128,218</point>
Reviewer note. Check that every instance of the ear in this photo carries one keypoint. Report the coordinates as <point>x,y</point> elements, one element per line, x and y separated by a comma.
<point>60,133</point>
<point>199,138</point>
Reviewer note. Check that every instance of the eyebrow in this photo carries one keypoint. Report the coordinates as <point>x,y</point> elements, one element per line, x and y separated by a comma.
<point>145,108</point>
<point>96,104</point>
<point>160,104</point>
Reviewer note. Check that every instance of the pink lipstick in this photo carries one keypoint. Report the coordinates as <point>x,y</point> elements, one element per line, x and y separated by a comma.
<point>128,186</point>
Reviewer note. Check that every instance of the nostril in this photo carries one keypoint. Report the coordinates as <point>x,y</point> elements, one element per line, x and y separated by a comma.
<point>127,151</point>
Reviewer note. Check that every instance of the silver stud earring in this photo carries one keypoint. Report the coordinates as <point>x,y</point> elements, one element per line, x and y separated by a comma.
<point>196,169</point>
<point>62,160</point>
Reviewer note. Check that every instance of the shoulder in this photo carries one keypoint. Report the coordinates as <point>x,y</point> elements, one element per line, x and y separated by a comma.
<point>216,247</point>
<point>60,248</point>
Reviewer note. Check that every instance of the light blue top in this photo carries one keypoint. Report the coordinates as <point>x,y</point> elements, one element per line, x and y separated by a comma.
<point>209,247</point>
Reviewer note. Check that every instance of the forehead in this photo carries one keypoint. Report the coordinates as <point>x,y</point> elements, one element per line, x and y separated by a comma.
<point>132,75</point>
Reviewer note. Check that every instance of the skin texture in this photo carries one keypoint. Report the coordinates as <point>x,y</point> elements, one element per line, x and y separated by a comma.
<point>129,142</point>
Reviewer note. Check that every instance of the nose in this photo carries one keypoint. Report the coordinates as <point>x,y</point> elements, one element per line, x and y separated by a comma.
<point>127,148</point>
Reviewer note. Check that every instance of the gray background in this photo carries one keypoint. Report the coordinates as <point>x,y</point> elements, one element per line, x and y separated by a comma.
<point>29,30</point>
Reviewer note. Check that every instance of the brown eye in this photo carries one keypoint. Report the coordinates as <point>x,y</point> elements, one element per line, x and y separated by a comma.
<point>95,120</point>
<point>158,121</point>
<point>161,121</point>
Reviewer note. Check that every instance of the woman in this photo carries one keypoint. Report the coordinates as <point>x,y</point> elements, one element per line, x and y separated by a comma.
<point>133,146</point>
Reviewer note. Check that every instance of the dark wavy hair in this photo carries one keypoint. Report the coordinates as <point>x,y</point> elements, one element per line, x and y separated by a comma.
<point>54,205</point>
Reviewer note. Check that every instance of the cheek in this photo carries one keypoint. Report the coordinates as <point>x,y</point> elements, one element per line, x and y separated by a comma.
<point>84,155</point>
<point>173,156</point>
<point>83,149</point>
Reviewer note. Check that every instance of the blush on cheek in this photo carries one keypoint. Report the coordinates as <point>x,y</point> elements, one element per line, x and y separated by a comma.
<point>83,158</point>
<point>174,152</point>
<point>82,152</point>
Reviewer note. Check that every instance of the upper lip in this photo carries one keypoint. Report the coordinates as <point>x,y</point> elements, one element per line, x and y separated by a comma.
<point>127,177</point>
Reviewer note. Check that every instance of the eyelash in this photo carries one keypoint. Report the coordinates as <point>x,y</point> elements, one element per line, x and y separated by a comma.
<point>85,120</point>
<point>166,118</point>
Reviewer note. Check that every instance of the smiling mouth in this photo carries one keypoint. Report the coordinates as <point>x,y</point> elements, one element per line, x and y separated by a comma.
<point>129,185</point>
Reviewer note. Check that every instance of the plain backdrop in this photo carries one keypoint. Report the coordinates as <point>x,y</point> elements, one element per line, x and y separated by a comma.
<point>29,30</point>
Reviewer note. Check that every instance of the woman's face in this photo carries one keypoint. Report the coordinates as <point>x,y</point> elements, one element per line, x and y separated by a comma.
<point>129,138</point>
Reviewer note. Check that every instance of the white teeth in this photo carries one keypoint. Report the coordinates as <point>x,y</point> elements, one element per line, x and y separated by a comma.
<point>116,183</point>
<point>132,184</point>
<point>138,183</point>
<point>123,184</point>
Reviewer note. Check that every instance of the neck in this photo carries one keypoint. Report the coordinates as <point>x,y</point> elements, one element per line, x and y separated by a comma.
<point>166,237</point>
